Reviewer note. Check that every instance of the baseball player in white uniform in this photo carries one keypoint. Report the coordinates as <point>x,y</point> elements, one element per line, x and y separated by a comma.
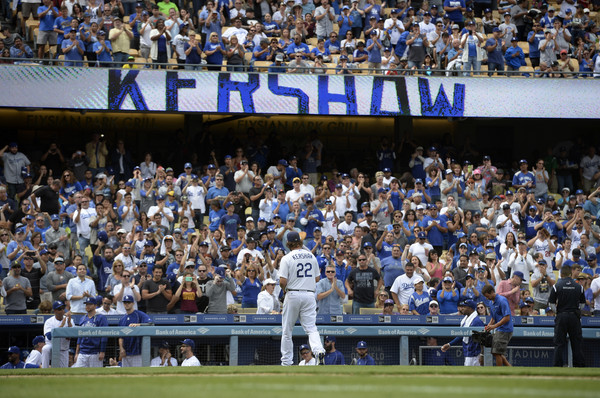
<point>299,273</point>
<point>59,320</point>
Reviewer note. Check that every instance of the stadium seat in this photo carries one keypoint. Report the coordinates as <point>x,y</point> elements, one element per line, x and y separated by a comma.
<point>262,66</point>
<point>370,311</point>
<point>348,307</point>
<point>247,310</point>
<point>312,41</point>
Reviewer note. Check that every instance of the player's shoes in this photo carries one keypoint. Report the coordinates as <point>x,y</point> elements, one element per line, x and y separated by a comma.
<point>321,359</point>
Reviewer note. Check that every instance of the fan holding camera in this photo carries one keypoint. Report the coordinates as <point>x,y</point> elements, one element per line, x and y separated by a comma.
<point>471,346</point>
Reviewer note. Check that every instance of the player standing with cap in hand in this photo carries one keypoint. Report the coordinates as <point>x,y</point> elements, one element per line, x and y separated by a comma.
<point>471,349</point>
<point>130,348</point>
<point>299,274</point>
<point>567,295</point>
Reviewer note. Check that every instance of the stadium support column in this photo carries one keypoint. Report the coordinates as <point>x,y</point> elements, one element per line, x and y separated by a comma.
<point>233,350</point>
<point>404,354</point>
<point>56,342</point>
<point>146,357</point>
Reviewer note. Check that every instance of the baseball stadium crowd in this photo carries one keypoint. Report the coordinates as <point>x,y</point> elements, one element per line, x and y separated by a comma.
<point>452,37</point>
<point>424,232</point>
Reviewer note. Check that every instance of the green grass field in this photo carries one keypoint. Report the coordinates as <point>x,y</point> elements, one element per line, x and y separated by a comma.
<point>292,382</point>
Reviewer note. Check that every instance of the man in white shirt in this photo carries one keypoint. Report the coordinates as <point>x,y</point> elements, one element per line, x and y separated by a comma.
<point>236,30</point>
<point>82,217</point>
<point>79,288</point>
<point>506,222</point>
<point>347,227</point>
<point>165,213</point>
<point>187,351</point>
<point>394,26</point>
<point>164,357</point>
<point>420,248</point>
<point>404,285</point>
<point>250,249</point>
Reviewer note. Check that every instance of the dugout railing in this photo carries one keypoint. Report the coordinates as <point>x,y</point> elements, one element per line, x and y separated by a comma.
<point>389,344</point>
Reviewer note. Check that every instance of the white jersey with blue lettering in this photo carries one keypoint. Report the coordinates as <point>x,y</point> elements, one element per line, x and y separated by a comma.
<point>300,268</point>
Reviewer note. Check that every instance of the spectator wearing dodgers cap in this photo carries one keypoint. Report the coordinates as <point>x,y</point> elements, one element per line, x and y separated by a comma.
<point>363,357</point>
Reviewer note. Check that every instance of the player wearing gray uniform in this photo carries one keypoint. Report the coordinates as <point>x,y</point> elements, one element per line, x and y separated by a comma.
<point>299,273</point>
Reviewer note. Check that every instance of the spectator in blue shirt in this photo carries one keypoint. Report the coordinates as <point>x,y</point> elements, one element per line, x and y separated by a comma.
<point>495,47</point>
<point>514,56</point>
<point>333,44</point>
<point>103,49</point>
<point>374,47</point>
<point>297,47</point>
<point>73,49</point>
<point>454,10</point>
<point>534,38</point>
<point>47,14</point>
<point>20,49</point>
<point>193,54</point>
<point>214,51</point>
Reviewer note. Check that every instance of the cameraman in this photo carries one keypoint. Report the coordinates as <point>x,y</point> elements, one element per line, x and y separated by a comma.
<point>567,295</point>
<point>471,348</point>
<point>502,320</point>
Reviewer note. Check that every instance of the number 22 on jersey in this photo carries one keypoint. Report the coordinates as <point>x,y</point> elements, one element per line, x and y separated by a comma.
<point>303,270</point>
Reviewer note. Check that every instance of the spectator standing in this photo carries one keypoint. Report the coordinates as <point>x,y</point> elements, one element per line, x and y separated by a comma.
<point>330,296</point>
<point>374,48</point>
<point>217,291</point>
<point>120,38</point>
<point>14,162</point>
<point>47,14</point>
<point>363,283</point>
<point>514,56</point>
<point>324,15</point>
<point>80,288</point>
<point>157,292</point>
<point>17,288</point>
<point>471,41</point>
<point>495,48</point>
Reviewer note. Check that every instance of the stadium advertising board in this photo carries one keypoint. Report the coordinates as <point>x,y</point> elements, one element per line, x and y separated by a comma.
<point>305,94</point>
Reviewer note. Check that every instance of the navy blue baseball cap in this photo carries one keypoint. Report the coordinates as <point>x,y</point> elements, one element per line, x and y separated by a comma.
<point>128,299</point>
<point>58,304</point>
<point>519,274</point>
<point>37,340</point>
<point>361,344</point>
<point>306,346</point>
<point>189,342</point>
<point>308,197</point>
<point>330,338</point>
<point>55,217</point>
<point>294,237</point>
<point>467,303</point>
<point>90,300</point>
<point>14,350</point>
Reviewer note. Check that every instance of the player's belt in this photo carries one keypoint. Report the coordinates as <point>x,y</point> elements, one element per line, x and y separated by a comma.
<point>300,290</point>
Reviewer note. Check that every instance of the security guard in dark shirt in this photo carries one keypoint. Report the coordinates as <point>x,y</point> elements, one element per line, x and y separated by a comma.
<point>567,295</point>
